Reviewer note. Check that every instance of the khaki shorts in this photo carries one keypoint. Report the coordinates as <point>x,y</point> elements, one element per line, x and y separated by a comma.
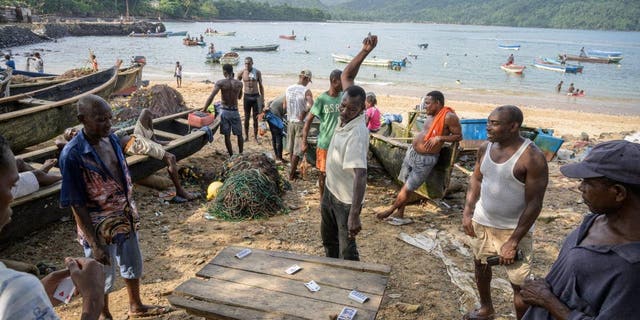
<point>488,242</point>
<point>143,146</point>
<point>321,159</point>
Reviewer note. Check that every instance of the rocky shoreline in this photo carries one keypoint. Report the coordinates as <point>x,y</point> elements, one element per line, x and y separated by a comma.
<point>24,34</point>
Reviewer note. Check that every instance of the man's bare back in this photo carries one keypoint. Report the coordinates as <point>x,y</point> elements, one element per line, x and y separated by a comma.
<point>231,91</point>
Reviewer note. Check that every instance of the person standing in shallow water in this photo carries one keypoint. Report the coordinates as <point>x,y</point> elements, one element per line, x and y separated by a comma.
<point>253,96</point>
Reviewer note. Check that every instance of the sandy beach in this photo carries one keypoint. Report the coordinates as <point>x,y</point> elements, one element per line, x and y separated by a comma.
<point>177,241</point>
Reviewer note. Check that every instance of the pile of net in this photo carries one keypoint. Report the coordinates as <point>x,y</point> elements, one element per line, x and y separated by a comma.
<point>74,73</point>
<point>160,99</point>
<point>252,188</point>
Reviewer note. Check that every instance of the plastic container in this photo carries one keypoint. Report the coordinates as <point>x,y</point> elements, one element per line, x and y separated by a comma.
<point>200,119</point>
<point>474,129</point>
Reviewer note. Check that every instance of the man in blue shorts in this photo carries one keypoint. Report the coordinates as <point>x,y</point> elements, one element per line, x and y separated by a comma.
<point>96,184</point>
<point>229,116</point>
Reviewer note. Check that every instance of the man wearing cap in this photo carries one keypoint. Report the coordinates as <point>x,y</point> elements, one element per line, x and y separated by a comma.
<point>504,200</point>
<point>253,100</point>
<point>597,273</point>
<point>298,100</point>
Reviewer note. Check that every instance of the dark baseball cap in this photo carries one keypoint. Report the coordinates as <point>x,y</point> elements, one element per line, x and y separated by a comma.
<point>618,160</point>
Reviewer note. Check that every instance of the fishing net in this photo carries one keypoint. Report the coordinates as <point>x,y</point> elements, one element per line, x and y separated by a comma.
<point>160,99</point>
<point>74,73</point>
<point>252,188</point>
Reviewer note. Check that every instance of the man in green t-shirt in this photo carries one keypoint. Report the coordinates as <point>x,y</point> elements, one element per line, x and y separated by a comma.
<point>326,108</point>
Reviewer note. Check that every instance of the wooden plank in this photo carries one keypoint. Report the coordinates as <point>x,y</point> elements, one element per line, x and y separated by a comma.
<point>37,153</point>
<point>182,121</point>
<point>238,295</point>
<point>167,135</point>
<point>292,284</point>
<point>212,310</point>
<point>262,262</point>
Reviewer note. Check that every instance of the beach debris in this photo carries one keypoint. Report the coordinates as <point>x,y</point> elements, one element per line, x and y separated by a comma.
<point>213,189</point>
<point>407,307</point>
<point>635,138</point>
<point>584,136</point>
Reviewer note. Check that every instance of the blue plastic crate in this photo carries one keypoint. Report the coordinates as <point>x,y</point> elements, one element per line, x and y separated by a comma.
<point>474,129</point>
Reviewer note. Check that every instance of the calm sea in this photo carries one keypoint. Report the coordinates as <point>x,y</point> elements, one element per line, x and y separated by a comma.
<point>462,61</point>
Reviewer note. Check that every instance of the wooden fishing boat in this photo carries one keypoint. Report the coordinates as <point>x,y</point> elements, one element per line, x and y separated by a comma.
<point>176,33</point>
<point>5,79</point>
<point>287,36</point>
<point>390,145</point>
<point>593,59</point>
<point>221,33</point>
<point>39,209</point>
<point>128,77</point>
<point>509,46</point>
<point>32,74</point>
<point>149,35</point>
<point>343,58</point>
<point>231,58</point>
<point>604,54</point>
<point>34,117</point>
<point>512,68</point>
<point>191,43</point>
<point>23,85</point>
<point>267,47</point>
<point>554,65</point>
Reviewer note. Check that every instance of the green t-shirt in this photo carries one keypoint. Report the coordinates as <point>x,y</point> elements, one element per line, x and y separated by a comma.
<point>327,109</point>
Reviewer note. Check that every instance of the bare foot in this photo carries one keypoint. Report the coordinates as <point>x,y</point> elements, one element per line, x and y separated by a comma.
<point>384,214</point>
<point>187,195</point>
<point>48,164</point>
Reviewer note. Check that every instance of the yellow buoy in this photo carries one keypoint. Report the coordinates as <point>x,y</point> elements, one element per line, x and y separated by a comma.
<point>213,189</point>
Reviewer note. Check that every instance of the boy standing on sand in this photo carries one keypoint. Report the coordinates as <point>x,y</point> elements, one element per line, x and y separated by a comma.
<point>178,74</point>
<point>229,115</point>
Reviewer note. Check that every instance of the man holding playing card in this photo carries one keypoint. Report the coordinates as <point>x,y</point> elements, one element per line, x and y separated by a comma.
<point>97,185</point>
<point>22,295</point>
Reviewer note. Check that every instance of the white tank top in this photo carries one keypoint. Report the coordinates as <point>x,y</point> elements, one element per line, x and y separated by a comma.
<point>501,195</point>
<point>296,102</point>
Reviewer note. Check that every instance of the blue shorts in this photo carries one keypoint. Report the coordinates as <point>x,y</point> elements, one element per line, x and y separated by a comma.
<point>126,256</point>
<point>230,122</point>
<point>416,168</point>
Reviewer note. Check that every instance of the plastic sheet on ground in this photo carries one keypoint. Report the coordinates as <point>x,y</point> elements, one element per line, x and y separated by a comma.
<point>433,241</point>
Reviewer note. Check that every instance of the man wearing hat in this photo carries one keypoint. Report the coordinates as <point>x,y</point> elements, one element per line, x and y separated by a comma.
<point>298,101</point>
<point>597,273</point>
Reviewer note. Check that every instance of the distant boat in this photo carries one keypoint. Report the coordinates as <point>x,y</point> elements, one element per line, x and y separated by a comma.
<point>512,68</point>
<point>268,47</point>
<point>213,57</point>
<point>591,59</point>
<point>191,43</point>
<point>220,33</point>
<point>31,74</point>
<point>343,58</point>
<point>231,58</point>
<point>149,35</point>
<point>423,45</point>
<point>176,33</point>
<point>288,36</point>
<point>554,65</point>
<point>509,46</point>
<point>613,56</point>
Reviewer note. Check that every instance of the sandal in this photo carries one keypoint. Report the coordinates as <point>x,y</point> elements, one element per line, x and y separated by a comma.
<point>151,311</point>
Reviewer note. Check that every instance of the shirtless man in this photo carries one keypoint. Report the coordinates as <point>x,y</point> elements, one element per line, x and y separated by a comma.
<point>229,115</point>
<point>423,154</point>
<point>504,200</point>
<point>253,96</point>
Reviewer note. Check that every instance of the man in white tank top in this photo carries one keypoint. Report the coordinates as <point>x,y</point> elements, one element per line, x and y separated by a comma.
<point>504,200</point>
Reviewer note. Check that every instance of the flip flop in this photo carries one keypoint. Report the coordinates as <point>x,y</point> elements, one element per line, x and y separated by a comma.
<point>178,199</point>
<point>398,221</point>
<point>152,311</point>
<point>473,315</point>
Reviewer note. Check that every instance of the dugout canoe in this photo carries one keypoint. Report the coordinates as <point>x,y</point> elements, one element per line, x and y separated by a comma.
<point>33,84</point>
<point>268,47</point>
<point>5,79</point>
<point>128,77</point>
<point>40,209</point>
<point>34,117</point>
<point>389,145</point>
<point>343,58</point>
<point>32,74</point>
<point>592,59</point>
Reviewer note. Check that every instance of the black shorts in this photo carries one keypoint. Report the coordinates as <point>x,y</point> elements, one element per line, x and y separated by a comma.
<point>252,102</point>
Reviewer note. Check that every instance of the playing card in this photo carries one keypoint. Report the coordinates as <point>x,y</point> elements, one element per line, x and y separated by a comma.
<point>293,269</point>
<point>312,286</point>
<point>347,313</point>
<point>65,290</point>
<point>243,253</point>
<point>358,296</point>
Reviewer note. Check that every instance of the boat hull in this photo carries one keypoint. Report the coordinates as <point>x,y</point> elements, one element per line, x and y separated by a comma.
<point>287,37</point>
<point>231,58</point>
<point>223,34</point>
<point>53,109</point>
<point>38,210</point>
<point>386,63</point>
<point>149,35</point>
<point>509,47</point>
<point>272,47</point>
<point>390,145</point>
<point>128,77</point>
<point>593,59</point>
<point>515,69</point>
<point>546,65</point>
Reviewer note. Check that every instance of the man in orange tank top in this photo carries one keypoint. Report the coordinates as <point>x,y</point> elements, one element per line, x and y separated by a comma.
<point>442,125</point>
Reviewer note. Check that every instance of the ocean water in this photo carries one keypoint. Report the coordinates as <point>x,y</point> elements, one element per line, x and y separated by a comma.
<point>462,61</point>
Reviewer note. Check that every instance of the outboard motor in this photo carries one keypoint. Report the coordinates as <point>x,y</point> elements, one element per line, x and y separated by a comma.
<point>139,60</point>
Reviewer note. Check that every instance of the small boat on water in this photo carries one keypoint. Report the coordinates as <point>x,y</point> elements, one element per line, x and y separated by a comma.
<point>231,58</point>
<point>34,117</point>
<point>5,79</point>
<point>389,145</point>
<point>509,46</point>
<point>572,57</point>
<point>221,33</point>
<point>601,53</point>
<point>267,47</point>
<point>555,65</point>
<point>213,57</point>
<point>39,209</point>
<point>149,35</point>
<point>512,68</point>
<point>288,36</point>
<point>176,33</point>
<point>423,45</point>
<point>192,43</point>
<point>343,58</point>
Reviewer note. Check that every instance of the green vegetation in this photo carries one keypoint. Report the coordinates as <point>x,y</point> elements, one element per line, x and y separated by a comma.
<point>573,14</point>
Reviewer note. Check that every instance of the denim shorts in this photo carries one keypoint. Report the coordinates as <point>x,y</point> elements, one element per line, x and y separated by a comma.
<point>125,256</point>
